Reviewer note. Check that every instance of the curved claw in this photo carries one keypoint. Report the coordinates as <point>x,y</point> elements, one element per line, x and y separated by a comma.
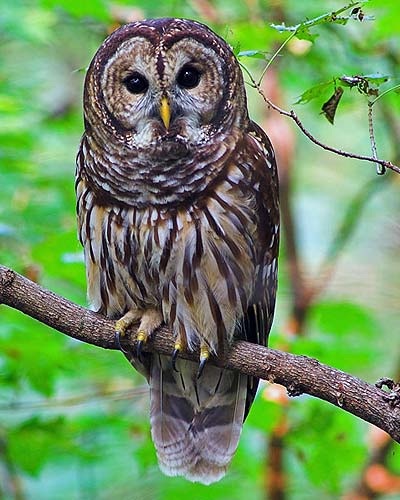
<point>204,355</point>
<point>202,364</point>
<point>117,337</point>
<point>174,358</point>
<point>121,327</point>
<point>141,338</point>
<point>139,347</point>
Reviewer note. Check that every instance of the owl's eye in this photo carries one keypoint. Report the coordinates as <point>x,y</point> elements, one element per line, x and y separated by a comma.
<point>136,83</point>
<point>188,77</point>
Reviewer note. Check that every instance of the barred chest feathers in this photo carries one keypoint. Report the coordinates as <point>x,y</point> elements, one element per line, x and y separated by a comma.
<point>196,263</point>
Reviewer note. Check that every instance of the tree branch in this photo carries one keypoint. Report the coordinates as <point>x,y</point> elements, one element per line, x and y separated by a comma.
<point>299,374</point>
<point>291,114</point>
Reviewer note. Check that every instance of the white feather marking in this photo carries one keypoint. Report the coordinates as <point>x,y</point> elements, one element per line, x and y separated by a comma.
<point>235,175</point>
<point>272,241</point>
<point>146,215</point>
<point>154,216</point>
<point>179,223</point>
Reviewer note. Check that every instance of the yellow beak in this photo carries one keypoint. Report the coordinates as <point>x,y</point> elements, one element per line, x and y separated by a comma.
<point>165,112</point>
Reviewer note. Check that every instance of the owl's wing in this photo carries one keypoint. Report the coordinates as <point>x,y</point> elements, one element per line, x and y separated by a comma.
<point>257,321</point>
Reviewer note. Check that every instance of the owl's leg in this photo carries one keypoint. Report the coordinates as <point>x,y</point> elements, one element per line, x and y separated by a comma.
<point>151,320</point>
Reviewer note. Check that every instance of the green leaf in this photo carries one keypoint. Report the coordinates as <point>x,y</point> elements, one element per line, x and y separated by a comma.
<point>305,34</point>
<point>259,54</point>
<point>264,414</point>
<point>376,78</point>
<point>95,8</point>
<point>314,92</point>
<point>32,354</point>
<point>341,318</point>
<point>34,442</point>
<point>341,334</point>
<point>319,432</point>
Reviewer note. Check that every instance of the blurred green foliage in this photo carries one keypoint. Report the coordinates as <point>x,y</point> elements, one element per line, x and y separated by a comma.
<point>74,419</point>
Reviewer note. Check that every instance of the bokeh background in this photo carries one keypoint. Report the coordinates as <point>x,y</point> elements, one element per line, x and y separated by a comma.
<point>74,418</point>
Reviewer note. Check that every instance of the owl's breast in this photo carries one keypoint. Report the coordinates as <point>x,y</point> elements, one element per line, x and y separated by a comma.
<point>196,264</point>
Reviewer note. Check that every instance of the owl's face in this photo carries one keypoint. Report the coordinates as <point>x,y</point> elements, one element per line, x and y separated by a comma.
<point>159,92</point>
<point>164,86</point>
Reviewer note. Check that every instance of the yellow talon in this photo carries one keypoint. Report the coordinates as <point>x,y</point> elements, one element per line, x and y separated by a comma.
<point>204,353</point>
<point>141,336</point>
<point>120,327</point>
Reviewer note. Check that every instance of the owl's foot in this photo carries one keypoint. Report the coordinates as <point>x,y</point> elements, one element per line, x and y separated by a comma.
<point>204,355</point>
<point>151,320</point>
<point>123,324</point>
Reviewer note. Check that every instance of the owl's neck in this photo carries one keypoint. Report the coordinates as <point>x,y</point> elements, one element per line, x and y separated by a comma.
<point>141,178</point>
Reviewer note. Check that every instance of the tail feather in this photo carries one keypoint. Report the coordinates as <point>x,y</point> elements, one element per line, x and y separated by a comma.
<point>196,423</point>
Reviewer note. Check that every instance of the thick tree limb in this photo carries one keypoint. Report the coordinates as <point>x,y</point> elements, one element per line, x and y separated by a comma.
<point>299,374</point>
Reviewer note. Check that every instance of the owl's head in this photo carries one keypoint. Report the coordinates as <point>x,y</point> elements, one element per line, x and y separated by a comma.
<point>164,85</point>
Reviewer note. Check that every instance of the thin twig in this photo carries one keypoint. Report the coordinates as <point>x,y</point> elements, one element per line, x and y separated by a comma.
<point>291,114</point>
<point>395,87</point>
<point>380,170</point>
<point>276,53</point>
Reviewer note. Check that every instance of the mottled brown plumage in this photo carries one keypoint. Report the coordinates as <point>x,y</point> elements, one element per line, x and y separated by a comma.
<point>177,201</point>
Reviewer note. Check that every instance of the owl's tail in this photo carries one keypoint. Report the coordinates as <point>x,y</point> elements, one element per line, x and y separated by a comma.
<point>195,423</point>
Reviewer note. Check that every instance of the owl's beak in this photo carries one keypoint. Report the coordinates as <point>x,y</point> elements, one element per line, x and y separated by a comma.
<point>165,112</point>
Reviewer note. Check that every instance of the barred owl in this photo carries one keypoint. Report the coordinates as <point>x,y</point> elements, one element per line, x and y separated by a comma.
<point>177,202</point>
